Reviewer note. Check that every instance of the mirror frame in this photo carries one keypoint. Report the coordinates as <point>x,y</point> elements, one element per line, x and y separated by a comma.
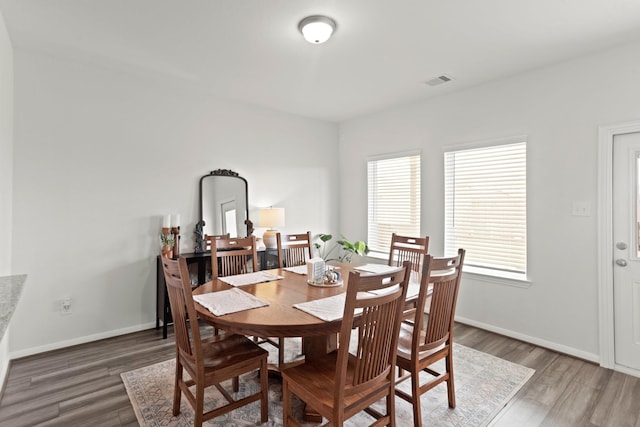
<point>199,230</point>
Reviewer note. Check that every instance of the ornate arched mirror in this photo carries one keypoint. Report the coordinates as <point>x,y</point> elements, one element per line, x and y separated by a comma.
<point>224,206</point>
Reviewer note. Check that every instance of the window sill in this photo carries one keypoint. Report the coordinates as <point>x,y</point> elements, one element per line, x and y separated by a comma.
<point>378,256</point>
<point>483,274</point>
<point>497,276</point>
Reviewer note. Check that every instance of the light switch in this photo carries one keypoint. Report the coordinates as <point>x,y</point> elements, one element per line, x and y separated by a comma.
<point>581,209</point>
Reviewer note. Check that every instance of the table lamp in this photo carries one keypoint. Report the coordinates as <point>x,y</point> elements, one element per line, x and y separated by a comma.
<point>270,218</point>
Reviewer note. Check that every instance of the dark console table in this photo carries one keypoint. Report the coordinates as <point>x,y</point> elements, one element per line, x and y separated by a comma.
<point>267,259</point>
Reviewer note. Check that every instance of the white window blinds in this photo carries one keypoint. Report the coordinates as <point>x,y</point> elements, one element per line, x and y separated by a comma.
<point>394,199</point>
<point>486,206</point>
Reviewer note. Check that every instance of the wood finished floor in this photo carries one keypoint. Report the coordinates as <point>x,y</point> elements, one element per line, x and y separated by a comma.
<point>81,385</point>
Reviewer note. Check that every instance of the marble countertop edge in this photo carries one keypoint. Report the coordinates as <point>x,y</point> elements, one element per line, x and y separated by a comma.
<point>10,290</point>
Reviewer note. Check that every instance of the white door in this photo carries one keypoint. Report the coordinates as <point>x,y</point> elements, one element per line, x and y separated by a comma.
<point>229,224</point>
<point>626,251</point>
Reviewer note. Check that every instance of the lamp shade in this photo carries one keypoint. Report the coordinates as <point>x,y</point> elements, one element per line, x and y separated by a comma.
<point>317,29</point>
<point>271,217</point>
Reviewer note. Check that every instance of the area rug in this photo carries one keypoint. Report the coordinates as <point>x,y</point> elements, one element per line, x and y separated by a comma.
<point>484,385</point>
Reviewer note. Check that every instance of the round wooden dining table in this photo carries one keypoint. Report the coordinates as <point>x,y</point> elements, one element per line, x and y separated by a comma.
<point>280,318</point>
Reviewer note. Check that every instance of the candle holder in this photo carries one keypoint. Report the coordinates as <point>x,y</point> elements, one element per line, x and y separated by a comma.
<point>176,241</point>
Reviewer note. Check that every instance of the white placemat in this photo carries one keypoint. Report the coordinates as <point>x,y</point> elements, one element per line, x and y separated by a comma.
<point>327,309</point>
<point>413,289</point>
<point>298,269</point>
<point>375,268</point>
<point>229,301</point>
<point>250,278</point>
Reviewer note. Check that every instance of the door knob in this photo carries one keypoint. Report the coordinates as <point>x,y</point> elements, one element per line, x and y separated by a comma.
<point>621,262</point>
<point>621,245</point>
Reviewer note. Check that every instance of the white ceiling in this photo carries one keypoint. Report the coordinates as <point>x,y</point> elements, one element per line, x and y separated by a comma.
<point>380,56</point>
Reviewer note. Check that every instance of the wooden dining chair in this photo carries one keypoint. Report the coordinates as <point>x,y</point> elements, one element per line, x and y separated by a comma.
<point>342,384</point>
<point>422,343</point>
<point>405,248</point>
<point>209,362</point>
<point>413,249</point>
<point>293,249</point>
<point>209,238</point>
<point>233,256</point>
<point>207,242</point>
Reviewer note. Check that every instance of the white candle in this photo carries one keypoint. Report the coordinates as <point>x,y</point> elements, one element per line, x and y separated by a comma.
<point>175,220</point>
<point>166,221</point>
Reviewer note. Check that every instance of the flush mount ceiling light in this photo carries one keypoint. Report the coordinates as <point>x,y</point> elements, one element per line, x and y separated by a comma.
<point>317,29</point>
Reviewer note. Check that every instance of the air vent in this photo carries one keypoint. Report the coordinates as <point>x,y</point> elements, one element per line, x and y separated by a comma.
<point>439,80</point>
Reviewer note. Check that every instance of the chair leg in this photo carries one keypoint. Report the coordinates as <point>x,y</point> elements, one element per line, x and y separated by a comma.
<point>235,384</point>
<point>199,409</point>
<point>451,392</point>
<point>286,403</point>
<point>415,395</point>
<point>177,392</point>
<point>391,405</point>
<point>280,351</point>
<point>338,417</point>
<point>400,372</point>
<point>264,384</point>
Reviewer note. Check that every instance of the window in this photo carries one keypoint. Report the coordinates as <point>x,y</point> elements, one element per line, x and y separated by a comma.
<point>486,206</point>
<point>394,199</point>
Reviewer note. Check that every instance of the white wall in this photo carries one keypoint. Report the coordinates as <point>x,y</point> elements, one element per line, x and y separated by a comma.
<point>560,109</point>
<point>6,147</point>
<point>6,171</point>
<point>102,153</point>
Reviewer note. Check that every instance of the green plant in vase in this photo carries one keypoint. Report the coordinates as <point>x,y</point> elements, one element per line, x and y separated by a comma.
<point>166,242</point>
<point>342,250</point>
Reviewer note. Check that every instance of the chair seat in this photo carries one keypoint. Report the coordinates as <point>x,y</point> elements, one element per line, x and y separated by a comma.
<point>318,380</point>
<point>226,349</point>
<point>405,342</point>
<point>318,377</point>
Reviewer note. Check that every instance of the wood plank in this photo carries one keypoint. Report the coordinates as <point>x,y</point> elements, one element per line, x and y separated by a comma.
<point>618,405</point>
<point>575,405</point>
<point>81,385</point>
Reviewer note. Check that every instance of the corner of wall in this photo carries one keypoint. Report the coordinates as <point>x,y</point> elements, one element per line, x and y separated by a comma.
<point>6,174</point>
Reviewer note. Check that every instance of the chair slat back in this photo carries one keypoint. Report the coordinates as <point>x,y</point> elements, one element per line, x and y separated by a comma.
<point>405,248</point>
<point>209,238</point>
<point>381,299</point>
<point>183,311</point>
<point>293,249</point>
<point>443,275</point>
<point>234,256</point>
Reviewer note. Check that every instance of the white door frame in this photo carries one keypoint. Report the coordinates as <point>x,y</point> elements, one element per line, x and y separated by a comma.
<point>605,241</point>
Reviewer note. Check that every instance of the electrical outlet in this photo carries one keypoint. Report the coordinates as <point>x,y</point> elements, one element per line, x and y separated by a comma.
<point>65,306</point>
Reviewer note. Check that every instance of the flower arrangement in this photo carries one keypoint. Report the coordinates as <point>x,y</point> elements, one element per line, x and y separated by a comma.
<point>346,249</point>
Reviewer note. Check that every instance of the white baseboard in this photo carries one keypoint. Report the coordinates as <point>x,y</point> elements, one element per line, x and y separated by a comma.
<point>4,370</point>
<point>533,340</point>
<point>80,340</point>
<point>627,370</point>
